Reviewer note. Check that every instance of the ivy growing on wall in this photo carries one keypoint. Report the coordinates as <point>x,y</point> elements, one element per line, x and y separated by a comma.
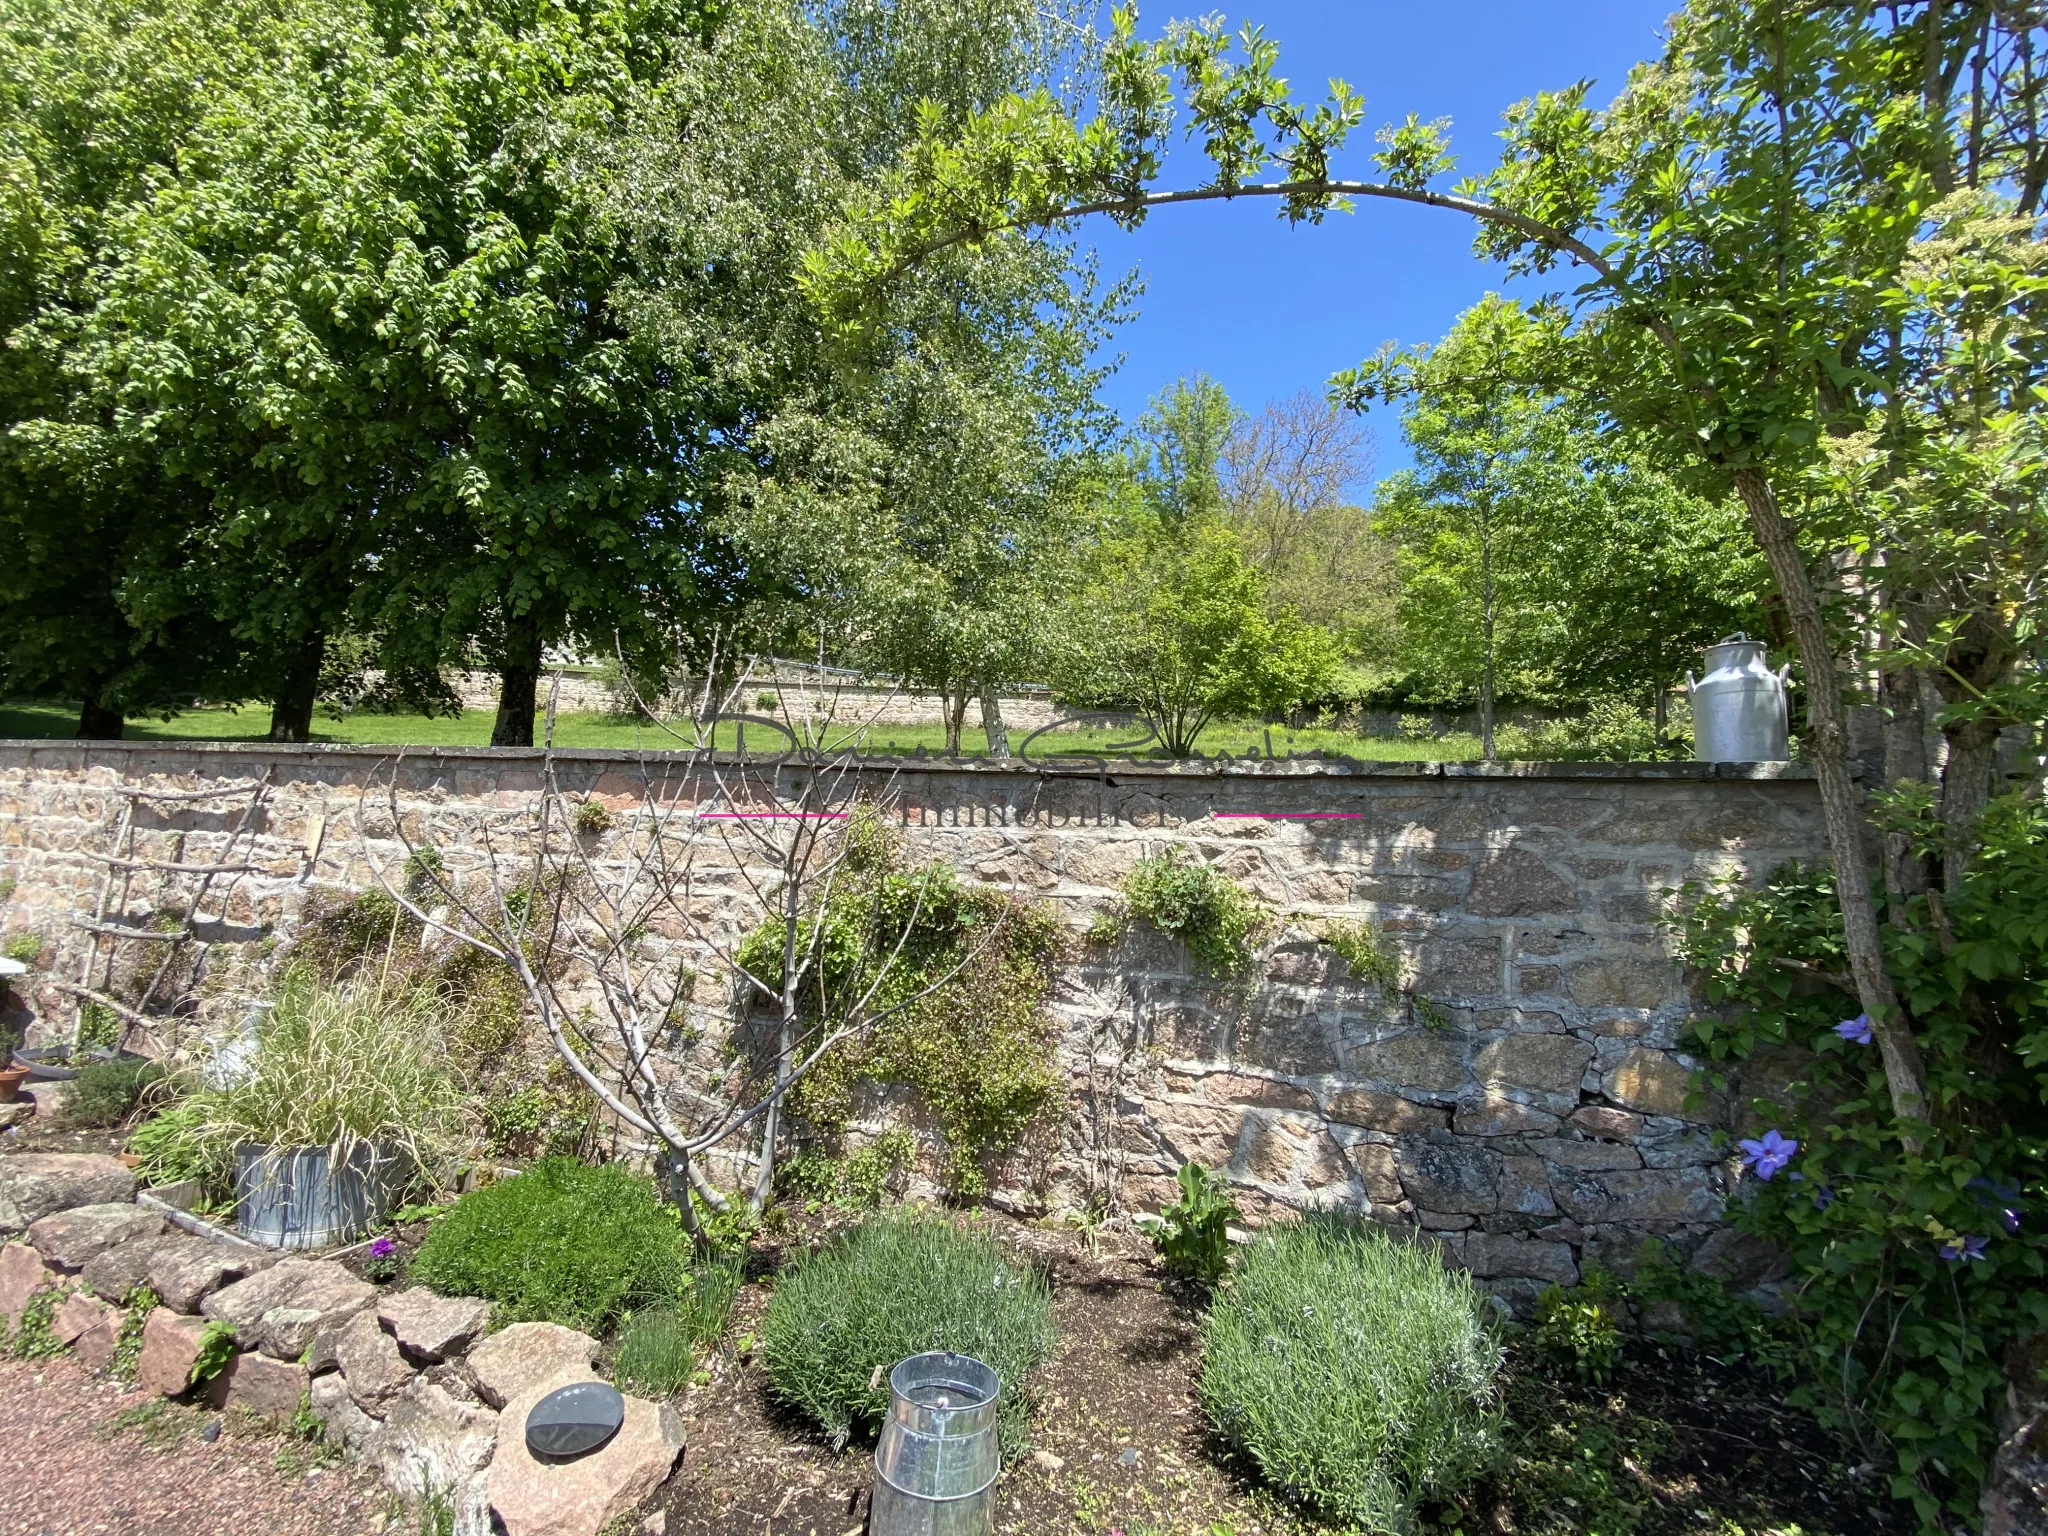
<point>1216,918</point>
<point>978,1049</point>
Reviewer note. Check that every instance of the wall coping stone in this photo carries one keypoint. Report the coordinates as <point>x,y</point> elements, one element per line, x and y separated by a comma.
<point>20,751</point>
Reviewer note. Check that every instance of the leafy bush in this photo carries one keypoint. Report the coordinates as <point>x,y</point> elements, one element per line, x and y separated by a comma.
<point>1353,1370</point>
<point>979,1047</point>
<point>559,1243</point>
<point>1913,1269</point>
<point>895,1286</point>
<point>858,1182</point>
<point>658,1349</point>
<point>1198,904</point>
<point>1610,731</point>
<point>106,1093</point>
<point>168,1145</point>
<point>335,1067</point>
<point>1193,1234</point>
<point>25,947</point>
<point>1578,1332</point>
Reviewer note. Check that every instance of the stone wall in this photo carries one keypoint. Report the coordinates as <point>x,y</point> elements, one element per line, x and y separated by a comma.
<point>1547,1116</point>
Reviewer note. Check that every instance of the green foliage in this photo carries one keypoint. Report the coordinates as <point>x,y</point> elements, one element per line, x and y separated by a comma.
<point>1177,623</point>
<point>594,817</point>
<point>99,1029</point>
<point>559,1243</point>
<point>1610,730</point>
<point>1575,1469</point>
<point>106,1094</point>
<point>540,1119</point>
<point>216,1349</point>
<point>962,1003</point>
<point>25,947</point>
<point>337,1067</point>
<point>857,1182</point>
<point>658,1348</point>
<point>1353,1370</point>
<point>169,1146</point>
<point>1580,1331</point>
<point>899,1285</point>
<point>1913,1268</point>
<point>33,1338</point>
<point>1215,917</point>
<point>136,1307</point>
<point>1365,950</point>
<point>1193,1233</point>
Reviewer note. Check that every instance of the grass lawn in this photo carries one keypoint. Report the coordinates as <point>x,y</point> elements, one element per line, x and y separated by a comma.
<point>473,729</point>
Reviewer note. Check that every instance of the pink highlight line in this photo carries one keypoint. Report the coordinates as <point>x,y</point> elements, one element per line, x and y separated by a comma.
<point>775,815</point>
<point>1288,815</point>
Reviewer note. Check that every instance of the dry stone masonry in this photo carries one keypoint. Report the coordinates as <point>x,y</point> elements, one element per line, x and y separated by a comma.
<point>1529,1105</point>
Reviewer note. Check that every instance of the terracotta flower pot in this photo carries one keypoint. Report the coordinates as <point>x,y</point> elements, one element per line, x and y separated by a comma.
<point>11,1079</point>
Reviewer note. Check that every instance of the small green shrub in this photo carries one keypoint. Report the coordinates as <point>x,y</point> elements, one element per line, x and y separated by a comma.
<point>858,1182</point>
<point>1215,917</point>
<point>137,1305</point>
<point>1353,1370</point>
<point>659,1347</point>
<point>1365,950</point>
<point>99,1029</point>
<point>900,1285</point>
<point>33,1338</point>
<point>216,1349</point>
<point>168,1144</point>
<point>594,817</point>
<point>1193,1234</point>
<point>1578,1332</point>
<point>106,1093</point>
<point>560,1243</point>
<point>25,947</point>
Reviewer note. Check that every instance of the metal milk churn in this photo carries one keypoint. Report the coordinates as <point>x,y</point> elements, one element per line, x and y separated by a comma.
<point>1738,708</point>
<point>936,1463</point>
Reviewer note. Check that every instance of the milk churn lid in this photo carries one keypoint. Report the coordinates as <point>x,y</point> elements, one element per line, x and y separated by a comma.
<point>575,1419</point>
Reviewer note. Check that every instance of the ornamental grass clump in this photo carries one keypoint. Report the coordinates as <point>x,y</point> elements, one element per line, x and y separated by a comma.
<point>900,1285</point>
<point>339,1067</point>
<point>1353,1370</point>
<point>559,1243</point>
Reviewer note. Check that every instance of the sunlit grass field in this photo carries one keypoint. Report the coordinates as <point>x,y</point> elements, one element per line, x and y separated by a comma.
<point>473,729</point>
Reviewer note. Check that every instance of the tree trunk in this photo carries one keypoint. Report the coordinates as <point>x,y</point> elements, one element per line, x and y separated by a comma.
<point>99,722</point>
<point>1827,743</point>
<point>1905,760</point>
<point>992,722</point>
<point>291,712</point>
<point>518,679</point>
<point>1486,606</point>
<point>955,702</point>
<point>1968,780</point>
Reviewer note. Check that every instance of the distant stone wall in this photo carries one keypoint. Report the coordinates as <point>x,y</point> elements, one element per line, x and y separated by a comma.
<point>1546,1122</point>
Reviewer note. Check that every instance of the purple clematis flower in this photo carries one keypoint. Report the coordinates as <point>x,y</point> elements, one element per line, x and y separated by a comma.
<point>1857,1030</point>
<point>1769,1153</point>
<point>383,1248</point>
<point>1965,1250</point>
<point>1994,1194</point>
<point>1823,1197</point>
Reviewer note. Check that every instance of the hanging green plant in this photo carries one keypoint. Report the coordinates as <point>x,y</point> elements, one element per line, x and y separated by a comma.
<point>1216,918</point>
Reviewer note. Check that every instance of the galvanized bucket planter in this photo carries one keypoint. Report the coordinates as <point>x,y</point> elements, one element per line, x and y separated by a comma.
<point>292,1198</point>
<point>936,1463</point>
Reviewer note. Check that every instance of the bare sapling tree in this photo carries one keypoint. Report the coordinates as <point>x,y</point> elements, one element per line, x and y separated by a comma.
<point>776,872</point>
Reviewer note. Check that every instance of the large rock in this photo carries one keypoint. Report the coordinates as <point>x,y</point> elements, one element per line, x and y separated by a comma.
<point>22,1274</point>
<point>185,1270</point>
<point>430,1327</point>
<point>528,1356</point>
<point>94,1348</point>
<point>280,1309</point>
<point>37,1184</point>
<point>119,1270</point>
<point>531,1497</point>
<point>369,1359</point>
<point>433,1442</point>
<point>256,1384</point>
<point>69,1240</point>
<point>1442,1172</point>
<point>347,1427</point>
<point>75,1314</point>
<point>1650,1082</point>
<point>170,1344</point>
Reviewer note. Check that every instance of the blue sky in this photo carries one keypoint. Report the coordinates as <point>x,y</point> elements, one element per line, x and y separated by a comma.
<point>1266,310</point>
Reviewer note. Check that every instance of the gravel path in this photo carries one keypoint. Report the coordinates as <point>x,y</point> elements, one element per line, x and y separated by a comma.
<point>94,1458</point>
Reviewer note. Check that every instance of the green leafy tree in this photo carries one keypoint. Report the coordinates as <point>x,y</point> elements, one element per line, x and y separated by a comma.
<point>1179,625</point>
